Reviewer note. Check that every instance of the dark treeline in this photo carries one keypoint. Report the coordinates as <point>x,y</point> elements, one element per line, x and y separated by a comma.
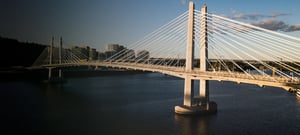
<point>18,54</point>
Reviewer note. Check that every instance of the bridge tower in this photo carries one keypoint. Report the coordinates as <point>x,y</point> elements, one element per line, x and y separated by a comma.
<point>60,57</point>
<point>51,57</point>
<point>50,53</point>
<point>191,104</point>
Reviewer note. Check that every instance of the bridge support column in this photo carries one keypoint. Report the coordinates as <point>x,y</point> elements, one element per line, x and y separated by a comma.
<point>60,57</point>
<point>192,105</point>
<point>188,91</point>
<point>49,73</point>
<point>204,92</point>
<point>50,58</point>
<point>273,71</point>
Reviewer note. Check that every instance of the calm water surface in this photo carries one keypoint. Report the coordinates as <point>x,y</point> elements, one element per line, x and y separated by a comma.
<point>142,104</point>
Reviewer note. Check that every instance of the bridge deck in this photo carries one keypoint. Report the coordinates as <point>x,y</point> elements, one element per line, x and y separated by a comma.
<point>261,80</point>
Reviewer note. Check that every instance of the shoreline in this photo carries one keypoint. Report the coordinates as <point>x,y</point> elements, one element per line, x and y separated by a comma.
<point>42,74</point>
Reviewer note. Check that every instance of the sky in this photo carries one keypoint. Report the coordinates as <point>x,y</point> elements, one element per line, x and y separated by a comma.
<point>99,22</point>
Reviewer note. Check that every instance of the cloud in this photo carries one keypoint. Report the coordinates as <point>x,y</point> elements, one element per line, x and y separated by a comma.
<point>272,24</point>
<point>276,25</point>
<point>257,16</point>
<point>247,16</point>
<point>183,2</point>
<point>292,28</point>
<point>233,11</point>
<point>279,14</point>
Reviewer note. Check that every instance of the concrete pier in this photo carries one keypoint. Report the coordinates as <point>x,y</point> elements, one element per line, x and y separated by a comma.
<point>197,109</point>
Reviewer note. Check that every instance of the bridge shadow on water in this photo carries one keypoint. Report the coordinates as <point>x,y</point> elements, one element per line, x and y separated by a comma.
<point>192,125</point>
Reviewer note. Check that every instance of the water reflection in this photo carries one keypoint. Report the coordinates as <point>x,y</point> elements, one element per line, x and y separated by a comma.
<point>50,89</point>
<point>192,125</point>
<point>143,105</point>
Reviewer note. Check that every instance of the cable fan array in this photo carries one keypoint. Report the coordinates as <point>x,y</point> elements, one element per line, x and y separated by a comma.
<point>248,48</point>
<point>232,47</point>
<point>69,55</point>
<point>165,46</point>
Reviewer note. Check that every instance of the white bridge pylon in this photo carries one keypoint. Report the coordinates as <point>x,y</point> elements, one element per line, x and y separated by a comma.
<point>199,46</point>
<point>192,105</point>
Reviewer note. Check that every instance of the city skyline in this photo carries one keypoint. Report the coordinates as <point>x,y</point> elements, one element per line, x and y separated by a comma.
<point>98,23</point>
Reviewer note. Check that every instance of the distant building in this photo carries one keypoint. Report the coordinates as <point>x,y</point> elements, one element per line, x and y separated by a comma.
<point>101,56</point>
<point>92,54</point>
<point>81,52</point>
<point>114,48</point>
<point>142,55</point>
<point>86,51</point>
<point>129,55</point>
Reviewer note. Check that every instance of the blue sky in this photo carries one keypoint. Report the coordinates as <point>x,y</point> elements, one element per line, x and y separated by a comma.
<point>99,22</point>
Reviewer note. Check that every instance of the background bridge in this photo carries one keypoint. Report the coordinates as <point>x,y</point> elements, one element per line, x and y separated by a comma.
<point>228,50</point>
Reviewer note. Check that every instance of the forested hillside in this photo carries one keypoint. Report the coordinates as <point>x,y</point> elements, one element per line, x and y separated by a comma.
<point>18,54</point>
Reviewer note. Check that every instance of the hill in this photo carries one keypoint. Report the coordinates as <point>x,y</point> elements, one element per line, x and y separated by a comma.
<point>18,54</point>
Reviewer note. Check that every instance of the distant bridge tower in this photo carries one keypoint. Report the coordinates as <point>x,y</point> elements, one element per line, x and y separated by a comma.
<point>51,57</point>
<point>192,105</point>
<point>60,56</point>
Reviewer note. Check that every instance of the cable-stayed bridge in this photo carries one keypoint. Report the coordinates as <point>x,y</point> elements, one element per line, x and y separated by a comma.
<point>200,46</point>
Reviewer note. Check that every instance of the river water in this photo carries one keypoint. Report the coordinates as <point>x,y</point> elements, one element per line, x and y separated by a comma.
<point>142,104</point>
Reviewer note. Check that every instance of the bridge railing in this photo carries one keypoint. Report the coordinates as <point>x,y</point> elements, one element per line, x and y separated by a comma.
<point>239,75</point>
